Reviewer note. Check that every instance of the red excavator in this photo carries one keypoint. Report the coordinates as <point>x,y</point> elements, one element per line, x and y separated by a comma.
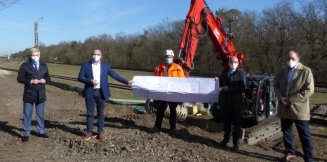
<point>259,97</point>
<point>200,19</point>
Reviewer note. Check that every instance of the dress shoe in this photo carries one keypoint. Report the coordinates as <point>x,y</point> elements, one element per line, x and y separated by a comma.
<point>236,148</point>
<point>43,135</point>
<point>172,131</point>
<point>223,143</point>
<point>87,136</point>
<point>289,157</point>
<point>155,129</point>
<point>25,138</point>
<point>101,136</point>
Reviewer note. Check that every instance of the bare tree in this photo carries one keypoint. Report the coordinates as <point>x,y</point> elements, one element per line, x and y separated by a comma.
<point>7,3</point>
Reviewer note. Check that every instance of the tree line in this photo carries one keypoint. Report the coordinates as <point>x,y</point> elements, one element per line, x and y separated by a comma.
<point>264,37</point>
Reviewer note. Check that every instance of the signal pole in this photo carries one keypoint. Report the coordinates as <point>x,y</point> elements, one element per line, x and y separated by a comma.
<point>36,35</point>
<point>36,32</point>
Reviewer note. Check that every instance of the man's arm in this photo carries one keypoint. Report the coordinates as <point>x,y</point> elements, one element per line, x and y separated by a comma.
<point>21,78</point>
<point>82,76</point>
<point>47,76</point>
<point>116,76</point>
<point>307,89</point>
<point>277,86</point>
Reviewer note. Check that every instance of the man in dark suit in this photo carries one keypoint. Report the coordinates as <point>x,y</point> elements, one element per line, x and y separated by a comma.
<point>232,82</point>
<point>94,74</point>
<point>34,75</point>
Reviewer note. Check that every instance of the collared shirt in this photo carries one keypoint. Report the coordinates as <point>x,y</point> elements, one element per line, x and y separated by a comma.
<point>96,69</point>
<point>289,78</point>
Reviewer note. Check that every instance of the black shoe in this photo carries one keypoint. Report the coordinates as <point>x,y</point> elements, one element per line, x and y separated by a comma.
<point>172,131</point>
<point>236,148</point>
<point>25,138</point>
<point>155,129</point>
<point>43,135</point>
<point>223,143</point>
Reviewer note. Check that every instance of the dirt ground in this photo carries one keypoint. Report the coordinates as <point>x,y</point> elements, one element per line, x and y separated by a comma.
<point>128,135</point>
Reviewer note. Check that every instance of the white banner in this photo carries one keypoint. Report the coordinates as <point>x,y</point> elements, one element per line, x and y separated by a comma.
<point>176,89</point>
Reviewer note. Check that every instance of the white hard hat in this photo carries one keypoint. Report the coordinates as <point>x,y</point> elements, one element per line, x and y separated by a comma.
<point>169,53</point>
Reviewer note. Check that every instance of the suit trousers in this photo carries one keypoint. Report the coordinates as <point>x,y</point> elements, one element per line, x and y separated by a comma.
<point>304,134</point>
<point>27,117</point>
<point>232,118</point>
<point>97,100</point>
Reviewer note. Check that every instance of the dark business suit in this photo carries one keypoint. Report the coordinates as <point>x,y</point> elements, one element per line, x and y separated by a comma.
<point>94,96</point>
<point>231,102</point>
<point>33,93</point>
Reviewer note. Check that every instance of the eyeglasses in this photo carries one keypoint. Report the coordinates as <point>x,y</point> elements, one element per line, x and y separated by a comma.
<point>96,54</point>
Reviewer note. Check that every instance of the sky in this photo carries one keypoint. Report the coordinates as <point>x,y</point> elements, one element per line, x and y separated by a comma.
<point>68,20</point>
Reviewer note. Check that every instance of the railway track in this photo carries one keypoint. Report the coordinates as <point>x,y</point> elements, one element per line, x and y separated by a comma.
<point>112,85</point>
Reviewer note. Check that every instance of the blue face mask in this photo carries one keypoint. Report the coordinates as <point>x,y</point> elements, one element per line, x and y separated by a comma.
<point>169,60</point>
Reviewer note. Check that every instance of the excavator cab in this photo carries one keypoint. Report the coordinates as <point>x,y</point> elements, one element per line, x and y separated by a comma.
<point>259,100</point>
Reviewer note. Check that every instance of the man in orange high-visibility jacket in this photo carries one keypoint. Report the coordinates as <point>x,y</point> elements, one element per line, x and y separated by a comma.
<point>167,69</point>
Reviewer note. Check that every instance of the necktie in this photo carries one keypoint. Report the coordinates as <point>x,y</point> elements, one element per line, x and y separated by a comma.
<point>35,65</point>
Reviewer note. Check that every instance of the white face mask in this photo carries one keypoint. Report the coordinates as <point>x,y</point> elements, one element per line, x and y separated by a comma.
<point>291,63</point>
<point>96,58</point>
<point>169,60</point>
<point>35,58</point>
<point>233,66</point>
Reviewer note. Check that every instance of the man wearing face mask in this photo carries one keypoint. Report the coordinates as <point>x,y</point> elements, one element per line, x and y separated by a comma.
<point>294,85</point>
<point>94,75</point>
<point>167,69</point>
<point>232,84</point>
<point>34,75</point>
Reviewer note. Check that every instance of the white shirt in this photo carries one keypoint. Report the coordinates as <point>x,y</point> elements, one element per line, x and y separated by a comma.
<point>96,73</point>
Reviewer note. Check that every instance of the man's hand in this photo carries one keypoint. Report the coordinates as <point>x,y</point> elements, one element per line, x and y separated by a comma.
<point>285,101</point>
<point>42,81</point>
<point>35,81</point>
<point>216,78</point>
<point>94,82</point>
<point>130,82</point>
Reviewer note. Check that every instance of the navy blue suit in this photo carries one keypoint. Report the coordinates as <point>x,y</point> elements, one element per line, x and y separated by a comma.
<point>96,96</point>
<point>34,94</point>
<point>86,75</point>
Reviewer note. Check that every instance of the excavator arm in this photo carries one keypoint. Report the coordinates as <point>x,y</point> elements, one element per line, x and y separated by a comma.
<point>200,20</point>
